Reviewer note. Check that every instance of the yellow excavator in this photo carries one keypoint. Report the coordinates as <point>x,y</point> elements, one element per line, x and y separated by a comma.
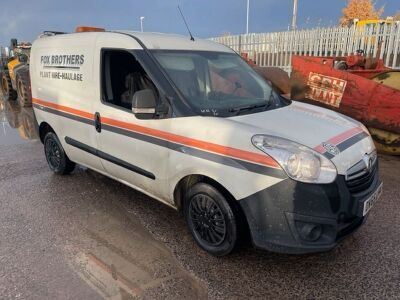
<point>14,78</point>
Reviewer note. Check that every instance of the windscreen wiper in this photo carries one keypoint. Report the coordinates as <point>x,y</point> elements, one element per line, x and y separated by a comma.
<point>238,110</point>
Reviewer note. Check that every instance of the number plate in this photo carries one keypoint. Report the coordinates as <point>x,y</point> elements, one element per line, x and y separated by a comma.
<point>371,200</point>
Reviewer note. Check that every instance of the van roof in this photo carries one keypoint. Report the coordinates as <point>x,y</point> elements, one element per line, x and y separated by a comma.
<point>155,40</point>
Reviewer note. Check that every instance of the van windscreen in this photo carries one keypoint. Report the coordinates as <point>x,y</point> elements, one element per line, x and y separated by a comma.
<point>216,83</point>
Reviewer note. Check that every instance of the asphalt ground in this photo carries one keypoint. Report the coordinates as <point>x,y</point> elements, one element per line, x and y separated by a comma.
<point>85,236</point>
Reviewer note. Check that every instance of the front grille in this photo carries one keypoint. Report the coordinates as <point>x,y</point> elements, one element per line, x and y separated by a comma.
<point>359,179</point>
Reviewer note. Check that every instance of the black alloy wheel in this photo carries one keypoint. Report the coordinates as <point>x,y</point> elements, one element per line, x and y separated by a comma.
<point>210,219</point>
<point>56,157</point>
<point>53,154</point>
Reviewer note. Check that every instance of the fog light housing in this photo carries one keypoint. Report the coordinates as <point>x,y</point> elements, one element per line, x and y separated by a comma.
<point>310,232</point>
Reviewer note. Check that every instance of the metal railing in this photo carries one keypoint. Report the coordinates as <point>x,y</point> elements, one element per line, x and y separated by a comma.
<point>276,49</point>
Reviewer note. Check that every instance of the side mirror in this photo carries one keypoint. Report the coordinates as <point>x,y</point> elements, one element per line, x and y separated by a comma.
<point>144,104</point>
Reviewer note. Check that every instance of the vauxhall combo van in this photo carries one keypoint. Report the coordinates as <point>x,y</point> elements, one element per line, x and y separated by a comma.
<point>190,124</point>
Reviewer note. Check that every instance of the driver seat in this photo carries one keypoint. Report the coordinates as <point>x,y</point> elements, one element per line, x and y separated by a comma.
<point>134,82</point>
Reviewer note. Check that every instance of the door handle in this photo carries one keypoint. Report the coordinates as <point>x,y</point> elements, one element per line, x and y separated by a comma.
<point>97,122</point>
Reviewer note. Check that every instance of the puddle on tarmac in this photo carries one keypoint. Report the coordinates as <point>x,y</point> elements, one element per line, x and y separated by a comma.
<point>119,259</point>
<point>112,252</point>
<point>17,124</point>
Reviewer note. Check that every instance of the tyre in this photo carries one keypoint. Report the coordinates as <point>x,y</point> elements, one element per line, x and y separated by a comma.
<point>210,219</point>
<point>24,90</point>
<point>6,87</point>
<point>56,157</point>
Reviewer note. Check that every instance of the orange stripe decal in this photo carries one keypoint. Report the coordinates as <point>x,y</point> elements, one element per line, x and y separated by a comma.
<point>66,109</point>
<point>262,159</point>
<point>207,146</point>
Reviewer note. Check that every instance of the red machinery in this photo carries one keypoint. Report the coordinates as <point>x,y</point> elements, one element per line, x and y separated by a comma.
<point>360,87</point>
<point>276,76</point>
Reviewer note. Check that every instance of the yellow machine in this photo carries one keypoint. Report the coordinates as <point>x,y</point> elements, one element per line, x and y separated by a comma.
<point>367,23</point>
<point>14,79</point>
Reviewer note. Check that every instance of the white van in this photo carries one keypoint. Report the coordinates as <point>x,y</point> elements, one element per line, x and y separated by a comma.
<point>191,124</point>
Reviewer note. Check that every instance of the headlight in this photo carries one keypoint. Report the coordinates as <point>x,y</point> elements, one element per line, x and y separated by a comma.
<point>299,162</point>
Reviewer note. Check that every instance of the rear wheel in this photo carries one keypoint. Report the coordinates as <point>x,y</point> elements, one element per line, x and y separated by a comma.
<point>23,90</point>
<point>6,87</point>
<point>56,157</point>
<point>210,219</point>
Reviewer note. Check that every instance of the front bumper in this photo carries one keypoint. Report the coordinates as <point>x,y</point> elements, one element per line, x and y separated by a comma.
<point>294,217</point>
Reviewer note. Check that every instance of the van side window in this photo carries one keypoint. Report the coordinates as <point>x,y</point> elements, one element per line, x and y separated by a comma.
<point>122,76</point>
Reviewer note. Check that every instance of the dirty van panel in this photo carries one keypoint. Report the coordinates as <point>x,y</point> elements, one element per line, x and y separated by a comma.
<point>63,90</point>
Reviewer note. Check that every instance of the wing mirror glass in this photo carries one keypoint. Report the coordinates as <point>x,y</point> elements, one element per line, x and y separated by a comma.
<point>144,104</point>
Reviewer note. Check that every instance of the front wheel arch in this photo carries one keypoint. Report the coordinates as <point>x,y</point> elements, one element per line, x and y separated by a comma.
<point>190,180</point>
